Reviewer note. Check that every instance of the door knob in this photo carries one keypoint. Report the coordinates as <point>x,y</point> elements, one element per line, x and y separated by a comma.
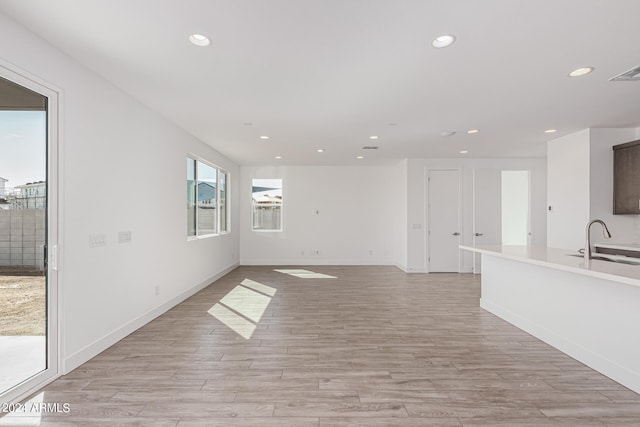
<point>478,234</point>
<point>456,234</point>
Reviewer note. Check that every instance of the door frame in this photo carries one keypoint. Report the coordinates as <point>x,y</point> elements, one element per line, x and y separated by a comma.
<point>54,229</point>
<point>474,211</point>
<point>476,266</point>
<point>427,201</point>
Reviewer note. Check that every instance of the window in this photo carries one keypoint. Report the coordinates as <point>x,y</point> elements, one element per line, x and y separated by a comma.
<point>191,197</point>
<point>266,200</point>
<point>222,197</point>
<point>206,199</point>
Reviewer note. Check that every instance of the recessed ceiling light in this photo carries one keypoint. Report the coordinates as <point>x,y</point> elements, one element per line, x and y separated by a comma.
<point>320,150</point>
<point>581,72</point>
<point>360,157</point>
<point>278,157</point>
<point>463,151</point>
<point>551,130</point>
<point>443,41</point>
<point>447,133</point>
<point>264,137</point>
<point>374,137</point>
<point>473,131</point>
<point>199,40</point>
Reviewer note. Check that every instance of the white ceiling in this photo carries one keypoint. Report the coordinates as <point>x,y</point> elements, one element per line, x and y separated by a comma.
<point>329,73</point>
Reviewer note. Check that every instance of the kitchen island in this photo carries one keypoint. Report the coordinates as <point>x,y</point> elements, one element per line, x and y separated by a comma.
<point>590,312</point>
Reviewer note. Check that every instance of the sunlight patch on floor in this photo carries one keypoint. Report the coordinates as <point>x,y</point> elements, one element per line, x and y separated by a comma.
<point>242,308</point>
<point>247,302</point>
<point>305,274</point>
<point>234,321</point>
<point>257,286</point>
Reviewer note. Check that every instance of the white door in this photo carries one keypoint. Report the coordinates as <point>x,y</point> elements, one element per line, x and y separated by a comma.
<point>443,220</point>
<point>487,210</point>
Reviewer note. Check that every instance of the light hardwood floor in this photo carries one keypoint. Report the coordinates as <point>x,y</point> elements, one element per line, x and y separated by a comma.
<point>372,347</point>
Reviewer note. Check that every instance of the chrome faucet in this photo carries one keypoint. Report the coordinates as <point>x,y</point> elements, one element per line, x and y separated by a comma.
<point>587,243</point>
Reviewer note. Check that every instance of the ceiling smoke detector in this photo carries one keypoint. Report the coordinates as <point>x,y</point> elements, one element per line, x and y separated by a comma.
<point>628,76</point>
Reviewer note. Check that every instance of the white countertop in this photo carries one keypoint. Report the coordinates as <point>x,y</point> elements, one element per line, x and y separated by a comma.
<point>561,259</point>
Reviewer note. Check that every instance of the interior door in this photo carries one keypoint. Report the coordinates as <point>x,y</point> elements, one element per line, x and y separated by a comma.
<point>487,210</point>
<point>443,220</point>
<point>28,235</point>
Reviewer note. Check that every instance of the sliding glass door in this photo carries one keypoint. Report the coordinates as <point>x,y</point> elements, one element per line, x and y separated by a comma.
<point>28,301</point>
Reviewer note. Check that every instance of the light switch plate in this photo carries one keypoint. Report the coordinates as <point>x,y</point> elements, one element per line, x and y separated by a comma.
<point>96,240</point>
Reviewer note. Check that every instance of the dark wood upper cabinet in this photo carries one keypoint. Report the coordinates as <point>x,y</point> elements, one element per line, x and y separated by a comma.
<point>626,178</point>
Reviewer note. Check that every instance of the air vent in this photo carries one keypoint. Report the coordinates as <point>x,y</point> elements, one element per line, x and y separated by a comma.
<point>628,76</point>
<point>370,147</point>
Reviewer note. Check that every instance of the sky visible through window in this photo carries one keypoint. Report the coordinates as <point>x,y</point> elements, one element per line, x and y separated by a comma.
<point>266,187</point>
<point>22,147</point>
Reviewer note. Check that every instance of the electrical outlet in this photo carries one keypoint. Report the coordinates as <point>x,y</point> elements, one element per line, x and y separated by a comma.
<point>316,251</point>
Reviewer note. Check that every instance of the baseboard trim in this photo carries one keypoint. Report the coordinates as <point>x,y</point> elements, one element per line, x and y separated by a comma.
<point>316,261</point>
<point>417,270</point>
<point>98,346</point>
<point>401,267</point>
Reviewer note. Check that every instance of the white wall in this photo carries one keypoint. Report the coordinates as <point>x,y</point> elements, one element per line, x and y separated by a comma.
<point>401,225</point>
<point>416,196</point>
<point>580,188</point>
<point>119,159</point>
<point>568,190</point>
<point>515,207</point>
<point>356,222</point>
<point>378,209</point>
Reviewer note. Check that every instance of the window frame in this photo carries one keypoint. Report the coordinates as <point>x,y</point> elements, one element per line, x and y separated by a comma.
<point>218,224</point>
<point>227,223</point>
<point>270,230</point>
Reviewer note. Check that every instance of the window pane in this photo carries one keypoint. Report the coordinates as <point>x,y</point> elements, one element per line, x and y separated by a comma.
<point>223,202</point>
<point>191,197</point>
<point>266,197</point>
<point>206,199</point>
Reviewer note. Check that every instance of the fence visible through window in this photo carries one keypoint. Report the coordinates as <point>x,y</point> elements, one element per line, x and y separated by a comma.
<point>22,228</point>
<point>266,199</point>
<point>267,216</point>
